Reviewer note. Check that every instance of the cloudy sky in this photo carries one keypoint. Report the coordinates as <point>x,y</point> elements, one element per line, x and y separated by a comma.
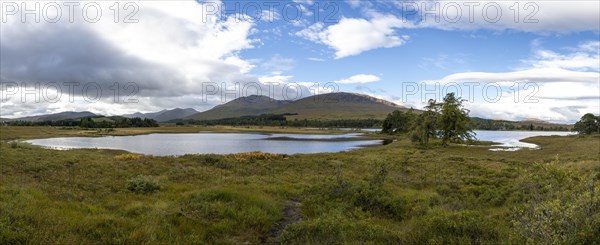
<point>510,60</point>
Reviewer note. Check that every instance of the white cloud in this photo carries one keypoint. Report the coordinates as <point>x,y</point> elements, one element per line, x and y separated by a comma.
<point>275,79</point>
<point>360,78</point>
<point>569,91</point>
<point>168,53</point>
<point>353,36</point>
<point>359,3</point>
<point>529,16</point>
<point>585,57</point>
<point>530,75</point>
<point>270,15</point>
<point>278,64</point>
<point>580,65</point>
<point>566,85</point>
<point>244,65</point>
<point>308,2</point>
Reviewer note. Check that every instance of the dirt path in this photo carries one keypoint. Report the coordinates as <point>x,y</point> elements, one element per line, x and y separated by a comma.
<point>291,214</point>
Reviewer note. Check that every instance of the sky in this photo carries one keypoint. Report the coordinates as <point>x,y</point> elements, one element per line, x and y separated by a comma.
<point>508,59</point>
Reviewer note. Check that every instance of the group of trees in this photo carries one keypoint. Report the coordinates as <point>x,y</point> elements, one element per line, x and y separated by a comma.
<point>90,122</point>
<point>57,123</point>
<point>281,120</point>
<point>447,120</point>
<point>490,124</point>
<point>589,124</point>
<point>117,122</point>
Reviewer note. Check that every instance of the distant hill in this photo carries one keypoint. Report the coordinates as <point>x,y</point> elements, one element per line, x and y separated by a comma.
<point>174,114</point>
<point>240,107</point>
<point>150,115</point>
<point>339,106</point>
<point>164,115</point>
<point>55,117</point>
<point>319,107</point>
<point>533,120</point>
<point>161,116</point>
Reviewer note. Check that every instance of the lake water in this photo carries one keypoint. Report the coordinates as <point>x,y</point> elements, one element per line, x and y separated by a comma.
<point>217,143</point>
<point>371,130</point>
<point>510,140</point>
<point>227,143</point>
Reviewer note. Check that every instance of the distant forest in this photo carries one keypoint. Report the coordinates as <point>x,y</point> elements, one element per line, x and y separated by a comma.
<point>91,122</point>
<point>281,120</point>
<point>274,120</point>
<point>487,124</point>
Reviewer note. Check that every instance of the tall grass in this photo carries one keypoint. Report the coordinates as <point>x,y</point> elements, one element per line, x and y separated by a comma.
<point>398,194</point>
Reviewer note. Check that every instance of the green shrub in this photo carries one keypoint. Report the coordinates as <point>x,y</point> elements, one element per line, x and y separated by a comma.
<point>378,201</point>
<point>449,227</point>
<point>143,184</point>
<point>337,229</point>
<point>366,196</point>
<point>569,215</point>
<point>379,177</point>
<point>227,215</point>
<point>215,161</point>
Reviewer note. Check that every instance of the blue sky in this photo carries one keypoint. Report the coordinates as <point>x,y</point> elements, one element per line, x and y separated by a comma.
<point>380,48</point>
<point>429,53</point>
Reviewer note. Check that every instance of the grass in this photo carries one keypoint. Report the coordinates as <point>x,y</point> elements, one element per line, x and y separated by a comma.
<point>397,193</point>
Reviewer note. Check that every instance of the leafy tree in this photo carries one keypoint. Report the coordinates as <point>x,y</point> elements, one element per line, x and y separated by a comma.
<point>454,121</point>
<point>398,122</point>
<point>86,122</point>
<point>426,123</point>
<point>589,124</point>
<point>448,120</point>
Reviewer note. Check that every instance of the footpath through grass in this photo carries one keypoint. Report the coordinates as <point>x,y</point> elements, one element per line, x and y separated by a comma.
<point>397,193</point>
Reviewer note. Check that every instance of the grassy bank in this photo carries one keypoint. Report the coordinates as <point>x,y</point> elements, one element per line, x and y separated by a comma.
<point>396,193</point>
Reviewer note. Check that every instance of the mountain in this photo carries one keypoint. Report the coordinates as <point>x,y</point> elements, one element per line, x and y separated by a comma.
<point>338,106</point>
<point>319,107</point>
<point>164,115</point>
<point>176,113</point>
<point>533,120</point>
<point>245,106</point>
<point>150,115</point>
<point>55,117</point>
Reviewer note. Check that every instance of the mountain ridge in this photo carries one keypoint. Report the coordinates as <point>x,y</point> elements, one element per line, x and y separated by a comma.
<point>243,106</point>
<point>319,107</point>
<point>331,106</point>
<point>65,115</point>
<point>164,115</point>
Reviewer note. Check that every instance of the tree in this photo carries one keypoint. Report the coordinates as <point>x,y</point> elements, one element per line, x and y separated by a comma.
<point>86,122</point>
<point>454,121</point>
<point>448,120</point>
<point>426,123</point>
<point>398,122</point>
<point>589,124</point>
